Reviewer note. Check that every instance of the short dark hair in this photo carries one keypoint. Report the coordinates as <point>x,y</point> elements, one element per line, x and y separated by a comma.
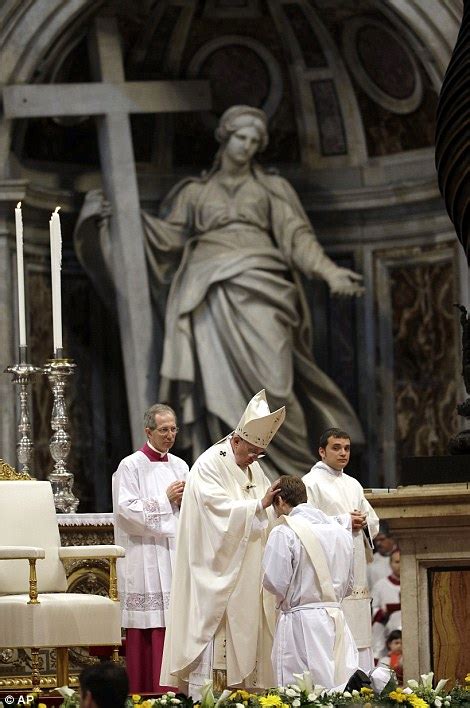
<point>292,490</point>
<point>107,683</point>
<point>332,433</point>
<point>395,634</point>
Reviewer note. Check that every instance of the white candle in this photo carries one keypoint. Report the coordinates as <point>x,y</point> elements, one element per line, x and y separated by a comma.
<point>56,263</point>
<point>20,273</point>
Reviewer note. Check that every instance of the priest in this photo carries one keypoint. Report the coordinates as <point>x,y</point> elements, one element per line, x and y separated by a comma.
<point>147,490</point>
<point>308,566</point>
<point>334,492</point>
<point>220,620</point>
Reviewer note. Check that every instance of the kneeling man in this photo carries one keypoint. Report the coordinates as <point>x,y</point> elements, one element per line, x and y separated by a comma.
<point>308,566</point>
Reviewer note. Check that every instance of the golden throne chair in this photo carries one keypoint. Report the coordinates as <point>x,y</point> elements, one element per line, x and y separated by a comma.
<point>36,612</point>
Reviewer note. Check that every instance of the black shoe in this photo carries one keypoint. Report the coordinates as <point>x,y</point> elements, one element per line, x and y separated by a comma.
<point>358,680</point>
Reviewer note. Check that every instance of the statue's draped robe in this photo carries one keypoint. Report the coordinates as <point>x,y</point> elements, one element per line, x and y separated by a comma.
<point>236,319</point>
<point>217,573</point>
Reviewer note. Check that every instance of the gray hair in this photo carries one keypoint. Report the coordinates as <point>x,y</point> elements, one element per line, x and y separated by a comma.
<point>156,409</point>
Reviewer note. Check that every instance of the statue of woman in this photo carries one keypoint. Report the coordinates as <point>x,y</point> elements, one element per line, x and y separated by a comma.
<point>236,318</point>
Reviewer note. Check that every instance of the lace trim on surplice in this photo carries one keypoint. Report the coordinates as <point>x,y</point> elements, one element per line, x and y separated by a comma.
<point>153,514</point>
<point>146,601</point>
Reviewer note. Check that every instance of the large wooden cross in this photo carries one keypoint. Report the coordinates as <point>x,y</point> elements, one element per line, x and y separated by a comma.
<point>111,99</point>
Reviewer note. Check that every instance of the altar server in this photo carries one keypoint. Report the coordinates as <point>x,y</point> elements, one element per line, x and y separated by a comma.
<point>308,566</point>
<point>334,492</point>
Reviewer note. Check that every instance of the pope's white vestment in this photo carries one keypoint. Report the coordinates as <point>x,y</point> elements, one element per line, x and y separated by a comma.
<point>217,576</point>
<point>336,493</point>
<point>307,631</point>
<point>145,524</point>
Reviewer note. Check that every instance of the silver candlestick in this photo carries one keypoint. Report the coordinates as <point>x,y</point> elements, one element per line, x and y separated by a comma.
<point>23,374</point>
<point>57,370</point>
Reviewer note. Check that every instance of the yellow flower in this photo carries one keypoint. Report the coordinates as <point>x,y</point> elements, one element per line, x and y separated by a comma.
<point>467,678</point>
<point>366,691</point>
<point>136,698</point>
<point>398,696</point>
<point>416,701</point>
<point>42,705</point>
<point>241,695</point>
<point>146,704</point>
<point>270,701</point>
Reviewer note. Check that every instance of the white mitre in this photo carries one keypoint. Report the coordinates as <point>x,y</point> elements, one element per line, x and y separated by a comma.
<point>257,424</point>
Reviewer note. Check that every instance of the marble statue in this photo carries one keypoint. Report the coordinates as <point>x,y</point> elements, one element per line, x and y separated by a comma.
<point>234,242</point>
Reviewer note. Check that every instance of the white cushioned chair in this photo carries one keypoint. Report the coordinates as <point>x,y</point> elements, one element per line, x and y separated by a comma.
<point>35,609</point>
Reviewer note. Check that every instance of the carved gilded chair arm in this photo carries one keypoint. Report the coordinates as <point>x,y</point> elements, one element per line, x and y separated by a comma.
<point>109,552</point>
<point>21,552</point>
<point>31,554</point>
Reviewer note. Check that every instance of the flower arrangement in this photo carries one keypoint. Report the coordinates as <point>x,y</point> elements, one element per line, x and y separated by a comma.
<point>304,694</point>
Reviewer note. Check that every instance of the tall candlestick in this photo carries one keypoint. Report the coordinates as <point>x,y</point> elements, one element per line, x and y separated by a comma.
<point>56,263</point>
<point>20,274</point>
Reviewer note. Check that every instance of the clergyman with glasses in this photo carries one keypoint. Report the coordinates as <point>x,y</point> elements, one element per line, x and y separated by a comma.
<point>219,619</point>
<point>147,492</point>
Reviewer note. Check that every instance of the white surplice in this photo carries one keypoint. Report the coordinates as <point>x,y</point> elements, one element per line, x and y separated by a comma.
<point>386,612</point>
<point>337,493</point>
<point>305,634</point>
<point>145,524</point>
<point>217,576</point>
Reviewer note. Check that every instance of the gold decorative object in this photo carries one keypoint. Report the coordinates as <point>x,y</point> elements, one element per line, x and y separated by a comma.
<point>219,680</point>
<point>57,371</point>
<point>8,473</point>
<point>33,583</point>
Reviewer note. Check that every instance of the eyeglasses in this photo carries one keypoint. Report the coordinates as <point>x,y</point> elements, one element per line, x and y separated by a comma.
<point>165,431</point>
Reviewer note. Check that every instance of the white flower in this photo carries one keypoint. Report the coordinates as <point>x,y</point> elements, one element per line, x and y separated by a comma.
<point>447,703</point>
<point>304,681</point>
<point>239,705</point>
<point>296,703</point>
<point>355,693</point>
<point>170,694</point>
<point>440,686</point>
<point>413,684</point>
<point>225,694</point>
<point>426,679</point>
<point>207,695</point>
<point>437,702</point>
<point>175,701</point>
<point>407,690</point>
<point>290,692</point>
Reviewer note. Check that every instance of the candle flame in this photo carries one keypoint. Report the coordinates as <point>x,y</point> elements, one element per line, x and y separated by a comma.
<point>18,206</point>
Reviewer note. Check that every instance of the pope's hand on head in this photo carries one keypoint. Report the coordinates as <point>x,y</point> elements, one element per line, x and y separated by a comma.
<point>175,492</point>
<point>267,500</point>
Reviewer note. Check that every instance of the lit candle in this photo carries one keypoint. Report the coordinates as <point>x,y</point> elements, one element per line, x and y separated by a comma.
<point>56,263</point>
<point>20,272</point>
